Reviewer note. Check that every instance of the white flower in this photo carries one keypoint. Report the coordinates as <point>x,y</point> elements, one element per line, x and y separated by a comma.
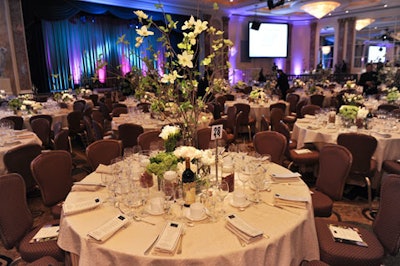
<point>208,158</point>
<point>169,131</point>
<point>362,113</point>
<point>200,26</point>
<point>185,59</point>
<point>188,24</point>
<point>140,14</point>
<point>143,31</point>
<point>188,151</point>
<point>170,78</point>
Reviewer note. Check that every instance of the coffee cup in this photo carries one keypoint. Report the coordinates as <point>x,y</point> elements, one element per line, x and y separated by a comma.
<point>196,210</point>
<point>239,198</point>
<point>157,204</point>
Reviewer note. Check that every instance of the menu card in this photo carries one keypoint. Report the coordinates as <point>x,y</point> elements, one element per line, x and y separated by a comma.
<point>46,233</point>
<point>347,235</point>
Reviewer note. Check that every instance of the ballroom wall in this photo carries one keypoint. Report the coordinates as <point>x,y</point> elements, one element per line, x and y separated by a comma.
<point>14,66</point>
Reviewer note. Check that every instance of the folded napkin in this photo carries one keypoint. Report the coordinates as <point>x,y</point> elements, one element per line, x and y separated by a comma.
<point>104,169</point>
<point>123,115</point>
<point>84,205</point>
<point>309,116</point>
<point>25,135</point>
<point>287,177</point>
<point>167,243</point>
<point>85,187</point>
<point>242,229</point>
<point>290,201</point>
<point>302,151</point>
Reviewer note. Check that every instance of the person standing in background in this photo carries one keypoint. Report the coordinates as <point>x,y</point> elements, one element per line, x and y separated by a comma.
<point>369,80</point>
<point>282,83</point>
<point>261,77</point>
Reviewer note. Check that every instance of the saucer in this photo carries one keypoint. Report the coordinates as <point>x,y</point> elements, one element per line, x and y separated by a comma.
<point>151,212</point>
<point>236,205</point>
<point>204,216</point>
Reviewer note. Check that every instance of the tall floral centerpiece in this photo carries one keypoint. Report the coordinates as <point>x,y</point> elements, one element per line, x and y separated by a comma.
<point>170,135</point>
<point>175,76</point>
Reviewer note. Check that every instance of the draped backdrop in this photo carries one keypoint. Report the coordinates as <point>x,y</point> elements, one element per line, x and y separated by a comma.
<point>67,39</point>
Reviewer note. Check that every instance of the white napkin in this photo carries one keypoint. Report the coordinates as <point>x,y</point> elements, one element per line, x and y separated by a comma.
<point>302,151</point>
<point>309,116</point>
<point>290,201</point>
<point>167,243</point>
<point>104,169</point>
<point>243,230</point>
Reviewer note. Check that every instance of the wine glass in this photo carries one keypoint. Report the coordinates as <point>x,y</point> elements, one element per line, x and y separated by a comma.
<point>180,200</point>
<point>244,175</point>
<point>168,189</point>
<point>258,182</point>
<point>222,192</point>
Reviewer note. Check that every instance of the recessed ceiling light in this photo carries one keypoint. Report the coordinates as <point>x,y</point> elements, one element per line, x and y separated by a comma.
<point>385,5</point>
<point>330,14</point>
<point>347,11</point>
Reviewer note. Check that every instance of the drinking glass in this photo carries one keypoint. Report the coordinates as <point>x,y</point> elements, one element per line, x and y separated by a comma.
<point>169,191</point>
<point>258,182</point>
<point>180,200</point>
<point>222,192</point>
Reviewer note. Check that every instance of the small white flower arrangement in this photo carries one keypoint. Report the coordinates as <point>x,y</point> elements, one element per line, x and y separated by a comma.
<point>169,132</point>
<point>392,94</point>
<point>350,84</point>
<point>188,151</point>
<point>298,83</point>
<point>353,99</point>
<point>258,94</point>
<point>362,113</point>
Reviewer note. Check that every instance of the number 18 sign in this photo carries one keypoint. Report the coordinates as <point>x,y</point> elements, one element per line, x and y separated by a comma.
<point>216,132</point>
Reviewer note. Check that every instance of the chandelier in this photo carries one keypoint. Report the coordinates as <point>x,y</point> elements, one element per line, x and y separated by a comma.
<point>362,23</point>
<point>320,9</point>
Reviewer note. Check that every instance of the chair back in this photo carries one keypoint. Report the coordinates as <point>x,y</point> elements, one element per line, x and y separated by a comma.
<point>310,109</point>
<point>231,117</point>
<point>79,105</point>
<point>150,140</point>
<point>62,141</point>
<point>225,124</point>
<point>204,141</point>
<point>144,107</point>
<point>18,160</point>
<point>386,225</point>
<point>317,99</point>
<point>264,124</point>
<point>57,127</point>
<point>128,134</point>
<point>98,130</point>
<point>388,107</point>
<point>18,121</point>
<point>299,106</point>
<point>52,172</point>
<point>115,105</point>
<point>230,97</point>
<point>334,167</point>
<point>279,105</point>
<point>276,116</point>
<point>292,99</point>
<point>74,119</point>
<point>103,152</point>
<point>47,117</point>
<point>94,98</point>
<point>87,121</point>
<point>362,147</point>
<point>244,107</point>
<point>119,110</point>
<point>105,111</point>
<point>42,128</point>
<point>270,142</point>
<point>15,217</point>
<point>221,101</point>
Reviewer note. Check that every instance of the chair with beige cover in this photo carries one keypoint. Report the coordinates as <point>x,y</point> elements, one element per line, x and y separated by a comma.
<point>272,143</point>
<point>16,224</point>
<point>384,239</point>
<point>52,171</point>
<point>103,152</point>
<point>334,166</point>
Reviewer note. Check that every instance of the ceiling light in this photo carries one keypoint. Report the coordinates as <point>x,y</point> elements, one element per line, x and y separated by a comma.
<point>362,23</point>
<point>320,9</point>
<point>326,49</point>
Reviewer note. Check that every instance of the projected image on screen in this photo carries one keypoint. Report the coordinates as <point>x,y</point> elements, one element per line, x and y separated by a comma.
<point>270,40</point>
<point>376,54</point>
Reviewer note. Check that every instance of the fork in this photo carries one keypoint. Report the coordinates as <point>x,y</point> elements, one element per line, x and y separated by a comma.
<point>180,242</point>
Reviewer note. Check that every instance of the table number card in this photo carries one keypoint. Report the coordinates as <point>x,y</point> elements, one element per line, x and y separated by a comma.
<point>216,132</point>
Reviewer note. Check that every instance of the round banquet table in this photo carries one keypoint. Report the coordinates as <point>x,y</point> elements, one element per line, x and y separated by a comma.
<point>388,148</point>
<point>290,234</point>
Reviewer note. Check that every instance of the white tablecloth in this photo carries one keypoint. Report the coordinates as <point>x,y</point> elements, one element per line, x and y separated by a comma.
<point>19,138</point>
<point>292,235</point>
<point>387,148</point>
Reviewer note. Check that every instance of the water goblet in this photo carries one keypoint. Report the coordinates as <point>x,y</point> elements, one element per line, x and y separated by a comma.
<point>169,192</point>
<point>222,192</point>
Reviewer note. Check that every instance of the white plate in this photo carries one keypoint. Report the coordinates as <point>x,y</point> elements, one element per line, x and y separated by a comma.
<point>195,219</point>
<point>244,205</point>
<point>151,212</point>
